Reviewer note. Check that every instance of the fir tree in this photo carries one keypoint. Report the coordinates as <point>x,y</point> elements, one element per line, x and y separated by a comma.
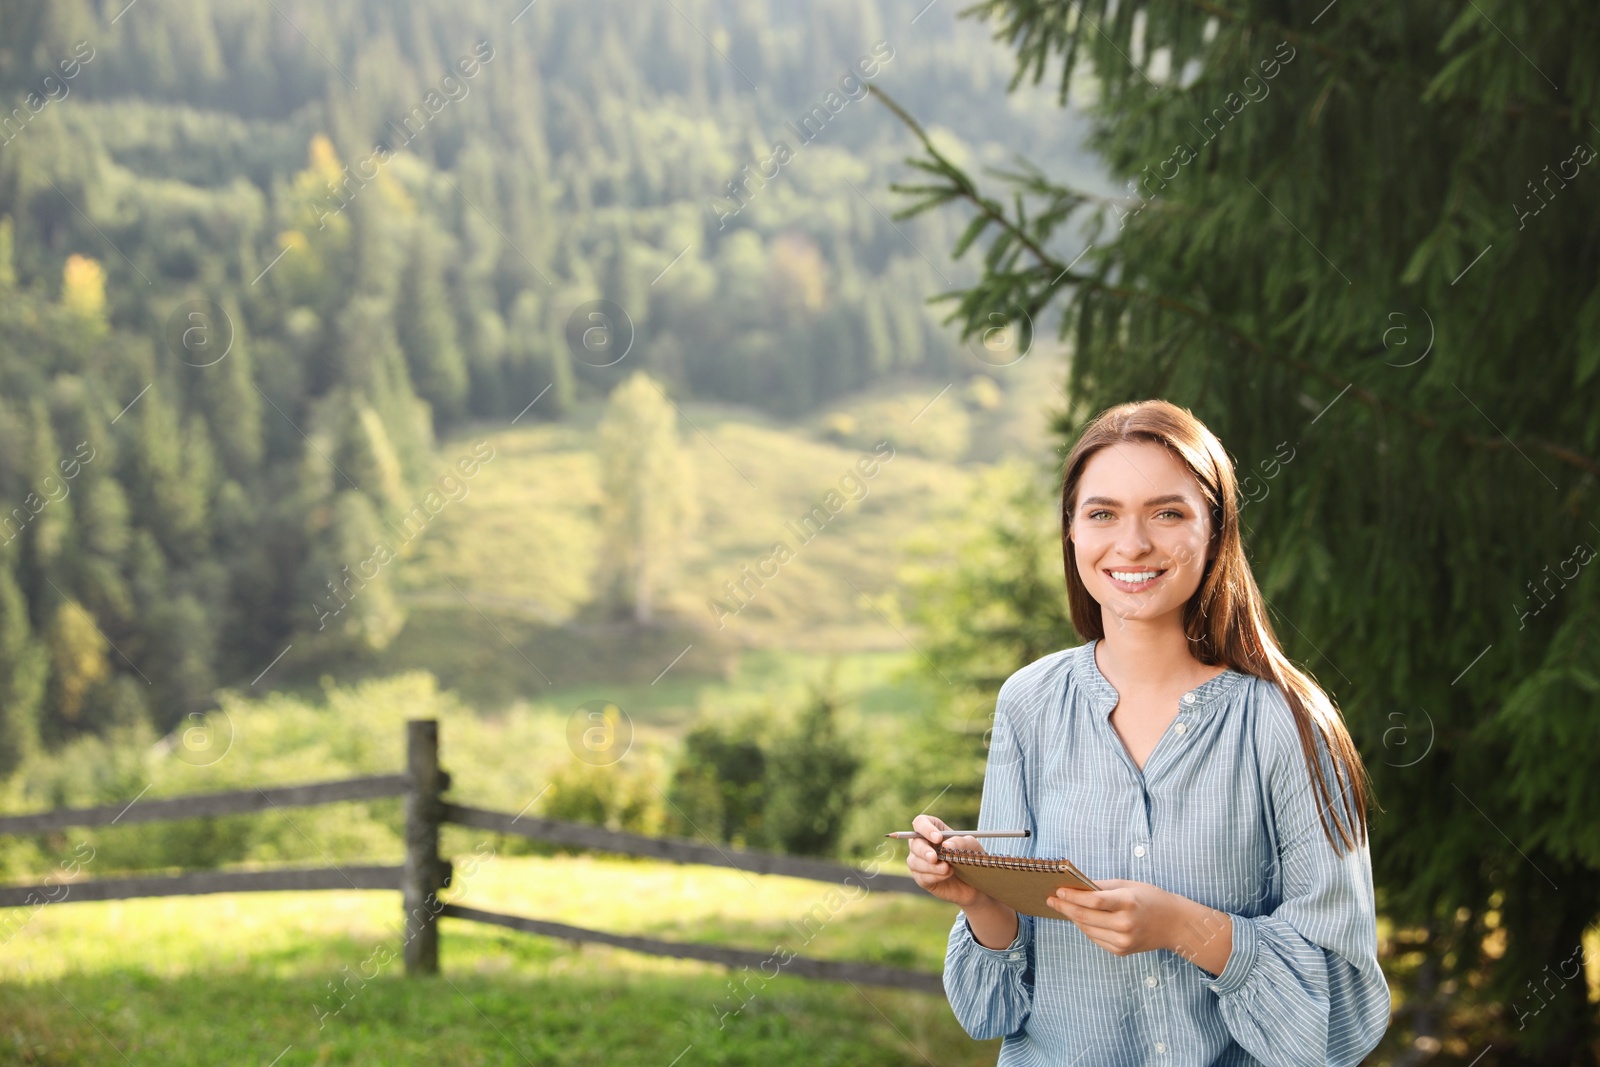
<point>427,330</point>
<point>1345,235</point>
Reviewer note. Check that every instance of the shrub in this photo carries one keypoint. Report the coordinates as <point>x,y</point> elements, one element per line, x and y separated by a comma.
<point>788,791</point>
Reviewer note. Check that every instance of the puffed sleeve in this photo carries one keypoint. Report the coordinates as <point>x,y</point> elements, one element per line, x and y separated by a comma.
<point>991,989</point>
<point>1302,984</point>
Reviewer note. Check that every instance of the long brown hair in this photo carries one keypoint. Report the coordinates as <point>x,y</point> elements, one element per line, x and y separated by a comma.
<point>1226,618</point>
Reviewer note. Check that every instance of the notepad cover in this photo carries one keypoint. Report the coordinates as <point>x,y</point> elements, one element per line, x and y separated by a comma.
<point>1020,881</point>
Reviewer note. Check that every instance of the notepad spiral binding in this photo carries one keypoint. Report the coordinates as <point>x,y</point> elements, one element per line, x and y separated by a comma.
<point>1014,863</point>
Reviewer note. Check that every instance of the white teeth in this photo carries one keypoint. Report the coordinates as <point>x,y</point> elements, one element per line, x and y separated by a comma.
<point>1135,576</point>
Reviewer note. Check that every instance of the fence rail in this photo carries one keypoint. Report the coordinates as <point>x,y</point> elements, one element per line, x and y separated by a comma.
<point>805,966</point>
<point>202,805</point>
<point>424,872</point>
<point>586,835</point>
<point>196,883</point>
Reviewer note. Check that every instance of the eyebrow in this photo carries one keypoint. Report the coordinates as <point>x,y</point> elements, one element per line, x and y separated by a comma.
<point>1170,498</point>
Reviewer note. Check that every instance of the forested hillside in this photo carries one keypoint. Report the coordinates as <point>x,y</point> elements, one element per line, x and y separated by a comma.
<point>253,258</point>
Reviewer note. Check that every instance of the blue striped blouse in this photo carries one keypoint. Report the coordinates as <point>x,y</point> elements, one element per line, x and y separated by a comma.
<point>1223,813</point>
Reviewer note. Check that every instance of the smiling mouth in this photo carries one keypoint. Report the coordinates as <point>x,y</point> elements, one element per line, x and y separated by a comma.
<point>1134,581</point>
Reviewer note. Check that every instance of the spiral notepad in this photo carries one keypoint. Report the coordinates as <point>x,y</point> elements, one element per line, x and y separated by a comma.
<point>1020,881</point>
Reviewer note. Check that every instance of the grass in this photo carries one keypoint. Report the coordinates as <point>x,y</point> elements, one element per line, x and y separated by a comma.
<point>524,541</point>
<point>500,586</point>
<point>245,978</point>
<point>498,589</point>
<point>877,684</point>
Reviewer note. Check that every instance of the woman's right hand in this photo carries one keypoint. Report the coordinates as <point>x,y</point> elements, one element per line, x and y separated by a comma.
<point>936,877</point>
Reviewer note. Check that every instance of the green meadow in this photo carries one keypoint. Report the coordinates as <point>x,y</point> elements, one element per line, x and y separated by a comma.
<point>501,589</point>
<point>503,641</point>
<point>244,979</point>
<point>500,586</point>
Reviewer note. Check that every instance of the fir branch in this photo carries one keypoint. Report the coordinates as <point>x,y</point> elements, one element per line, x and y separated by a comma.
<point>961,187</point>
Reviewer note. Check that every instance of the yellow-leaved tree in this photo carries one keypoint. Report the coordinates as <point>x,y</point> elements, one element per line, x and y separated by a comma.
<point>83,287</point>
<point>77,659</point>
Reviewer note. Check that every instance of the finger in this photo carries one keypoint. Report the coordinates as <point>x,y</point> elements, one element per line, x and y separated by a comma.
<point>1088,898</point>
<point>1086,918</point>
<point>1070,908</point>
<point>1097,941</point>
<point>1073,915</point>
<point>1080,919</point>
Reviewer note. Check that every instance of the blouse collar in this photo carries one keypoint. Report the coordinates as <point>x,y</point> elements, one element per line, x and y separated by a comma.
<point>1196,702</point>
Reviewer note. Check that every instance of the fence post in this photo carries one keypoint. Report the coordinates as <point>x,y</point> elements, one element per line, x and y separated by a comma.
<point>422,874</point>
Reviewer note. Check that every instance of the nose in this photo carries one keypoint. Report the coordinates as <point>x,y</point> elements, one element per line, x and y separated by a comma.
<point>1133,542</point>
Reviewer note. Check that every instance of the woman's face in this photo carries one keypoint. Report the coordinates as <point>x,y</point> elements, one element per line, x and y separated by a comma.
<point>1140,530</point>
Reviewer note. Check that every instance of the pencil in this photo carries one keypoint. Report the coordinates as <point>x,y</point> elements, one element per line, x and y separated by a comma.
<point>904,834</point>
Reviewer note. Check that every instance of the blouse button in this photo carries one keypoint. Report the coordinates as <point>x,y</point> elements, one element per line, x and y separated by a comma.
<point>1138,850</point>
<point>1150,981</point>
<point>1161,1047</point>
<point>1188,698</point>
<point>1180,727</point>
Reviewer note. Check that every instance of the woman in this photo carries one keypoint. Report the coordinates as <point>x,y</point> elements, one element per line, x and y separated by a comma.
<point>1207,786</point>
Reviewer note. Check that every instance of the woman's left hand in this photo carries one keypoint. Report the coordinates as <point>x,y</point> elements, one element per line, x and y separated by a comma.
<point>1126,917</point>
<point>1123,917</point>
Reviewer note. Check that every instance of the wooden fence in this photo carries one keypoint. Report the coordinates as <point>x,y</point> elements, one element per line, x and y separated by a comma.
<point>424,872</point>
